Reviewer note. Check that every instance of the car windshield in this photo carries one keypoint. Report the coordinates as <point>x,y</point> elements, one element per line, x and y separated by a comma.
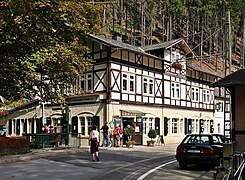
<point>196,139</point>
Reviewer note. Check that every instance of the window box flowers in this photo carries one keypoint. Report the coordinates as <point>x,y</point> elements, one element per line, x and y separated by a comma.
<point>177,65</point>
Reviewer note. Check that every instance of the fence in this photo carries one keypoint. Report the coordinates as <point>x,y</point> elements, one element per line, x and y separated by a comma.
<point>39,141</point>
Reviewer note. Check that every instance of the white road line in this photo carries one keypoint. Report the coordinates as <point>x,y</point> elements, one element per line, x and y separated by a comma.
<point>152,170</point>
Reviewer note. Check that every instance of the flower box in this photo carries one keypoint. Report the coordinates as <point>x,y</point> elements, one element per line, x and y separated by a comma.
<point>177,65</point>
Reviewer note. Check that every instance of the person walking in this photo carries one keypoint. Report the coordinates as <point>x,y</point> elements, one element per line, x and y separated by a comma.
<point>120,130</point>
<point>106,141</point>
<point>94,143</point>
<point>116,137</point>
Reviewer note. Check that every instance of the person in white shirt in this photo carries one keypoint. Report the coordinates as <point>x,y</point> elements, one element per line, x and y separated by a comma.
<point>94,139</point>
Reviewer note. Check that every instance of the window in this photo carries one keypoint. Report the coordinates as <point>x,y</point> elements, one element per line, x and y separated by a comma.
<point>206,96</point>
<point>128,83</point>
<point>197,126</point>
<point>86,124</point>
<point>174,126</point>
<point>125,82</point>
<point>131,83</point>
<point>82,119</point>
<point>208,126</point>
<point>181,127</point>
<point>89,82</point>
<point>90,123</point>
<point>145,84</point>
<point>197,94</point>
<point>175,56</point>
<point>150,123</point>
<point>175,90</point>
<point>193,126</point>
<point>148,86</point>
<point>194,94</point>
<point>144,125</point>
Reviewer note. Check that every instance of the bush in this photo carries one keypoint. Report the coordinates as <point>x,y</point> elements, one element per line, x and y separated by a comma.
<point>14,145</point>
<point>152,134</point>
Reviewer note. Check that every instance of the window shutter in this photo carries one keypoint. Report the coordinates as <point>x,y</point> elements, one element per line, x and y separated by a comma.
<point>165,126</point>
<point>74,125</point>
<point>157,125</point>
<point>96,122</point>
<point>10,127</point>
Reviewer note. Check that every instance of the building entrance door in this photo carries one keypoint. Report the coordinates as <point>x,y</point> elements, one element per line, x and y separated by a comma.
<point>138,129</point>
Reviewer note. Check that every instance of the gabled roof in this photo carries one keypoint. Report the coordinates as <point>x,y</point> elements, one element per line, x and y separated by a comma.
<point>119,44</point>
<point>168,44</point>
<point>143,50</point>
<point>235,79</point>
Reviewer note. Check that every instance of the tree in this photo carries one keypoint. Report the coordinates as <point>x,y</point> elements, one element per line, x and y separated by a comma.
<point>43,39</point>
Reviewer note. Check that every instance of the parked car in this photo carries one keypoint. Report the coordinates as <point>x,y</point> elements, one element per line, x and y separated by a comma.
<point>200,149</point>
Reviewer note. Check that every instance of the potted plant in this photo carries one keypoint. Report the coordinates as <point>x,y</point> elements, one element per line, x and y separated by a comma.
<point>177,65</point>
<point>130,143</point>
<point>152,134</point>
<point>129,131</point>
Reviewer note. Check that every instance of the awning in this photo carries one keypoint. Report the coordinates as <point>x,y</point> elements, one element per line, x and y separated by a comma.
<point>132,113</point>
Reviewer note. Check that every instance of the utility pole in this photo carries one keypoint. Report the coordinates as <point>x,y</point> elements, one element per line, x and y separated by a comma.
<point>229,39</point>
<point>227,95</point>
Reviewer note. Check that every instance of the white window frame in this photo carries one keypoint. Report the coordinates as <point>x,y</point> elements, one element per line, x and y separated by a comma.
<point>206,96</point>
<point>150,122</point>
<point>131,83</point>
<point>175,57</point>
<point>89,81</point>
<point>174,126</point>
<point>148,86</point>
<point>195,94</point>
<point>181,126</point>
<point>145,85</point>
<point>197,125</point>
<point>88,121</point>
<point>175,90</point>
<point>144,125</point>
<point>128,82</point>
<point>125,82</point>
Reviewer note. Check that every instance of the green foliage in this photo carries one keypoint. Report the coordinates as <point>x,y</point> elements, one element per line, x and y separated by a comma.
<point>152,133</point>
<point>42,37</point>
<point>129,130</point>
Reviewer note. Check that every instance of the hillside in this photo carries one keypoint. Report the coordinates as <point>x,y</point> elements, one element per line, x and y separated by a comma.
<point>204,25</point>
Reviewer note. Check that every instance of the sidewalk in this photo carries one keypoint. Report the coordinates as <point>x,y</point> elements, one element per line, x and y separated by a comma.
<point>59,151</point>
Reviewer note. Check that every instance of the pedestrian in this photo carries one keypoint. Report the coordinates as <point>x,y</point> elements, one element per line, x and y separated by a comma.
<point>94,143</point>
<point>46,129</point>
<point>106,141</point>
<point>120,130</point>
<point>116,137</point>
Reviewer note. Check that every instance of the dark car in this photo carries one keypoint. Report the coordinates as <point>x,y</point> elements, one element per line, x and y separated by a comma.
<point>200,149</point>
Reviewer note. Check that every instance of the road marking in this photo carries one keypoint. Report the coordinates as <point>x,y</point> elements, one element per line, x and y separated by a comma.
<point>152,170</point>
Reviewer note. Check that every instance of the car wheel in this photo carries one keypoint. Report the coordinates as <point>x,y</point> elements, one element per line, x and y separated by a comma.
<point>182,165</point>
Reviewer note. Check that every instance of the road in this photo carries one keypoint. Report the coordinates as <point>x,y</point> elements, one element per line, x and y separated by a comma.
<point>115,164</point>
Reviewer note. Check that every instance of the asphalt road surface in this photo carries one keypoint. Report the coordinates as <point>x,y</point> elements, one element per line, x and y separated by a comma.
<point>117,164</point>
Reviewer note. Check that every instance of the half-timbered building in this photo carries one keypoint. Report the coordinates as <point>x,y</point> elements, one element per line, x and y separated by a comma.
<point>147,87</point>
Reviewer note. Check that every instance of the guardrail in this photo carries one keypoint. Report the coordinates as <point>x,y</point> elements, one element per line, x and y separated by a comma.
<point>39,141</point>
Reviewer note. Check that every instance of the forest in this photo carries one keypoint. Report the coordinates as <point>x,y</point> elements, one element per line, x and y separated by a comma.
<point>210,27</point>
